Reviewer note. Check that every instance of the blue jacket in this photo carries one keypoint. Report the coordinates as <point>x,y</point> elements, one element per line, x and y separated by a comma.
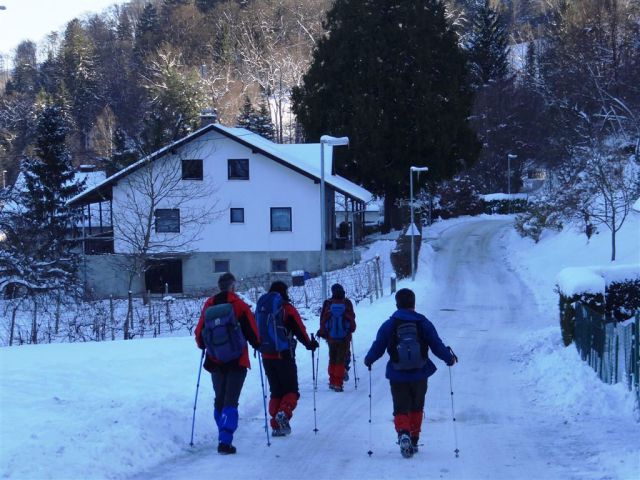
<point>427,332</point>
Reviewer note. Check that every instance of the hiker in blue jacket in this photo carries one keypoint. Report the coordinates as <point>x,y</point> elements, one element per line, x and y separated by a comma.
<point>407,337</point>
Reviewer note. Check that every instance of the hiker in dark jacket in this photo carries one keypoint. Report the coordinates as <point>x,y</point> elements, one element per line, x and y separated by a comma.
<point>228,378</point>
<point>338,347</point>
<point>281,369</point>
<point>408,386</point>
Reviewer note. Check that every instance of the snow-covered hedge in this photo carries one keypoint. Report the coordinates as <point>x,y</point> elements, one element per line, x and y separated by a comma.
<point>612,292</point>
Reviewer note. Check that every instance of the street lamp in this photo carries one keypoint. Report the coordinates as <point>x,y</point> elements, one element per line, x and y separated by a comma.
<point>510,157</point>
<point>333,141</point>
<point>413,227</point>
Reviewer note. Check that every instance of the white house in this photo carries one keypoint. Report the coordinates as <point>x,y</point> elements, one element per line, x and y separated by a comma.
<point>220,199</point>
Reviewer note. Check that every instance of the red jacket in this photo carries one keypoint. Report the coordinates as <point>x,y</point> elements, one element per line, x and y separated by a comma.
<point>325,315</point>
<point>294,326</point>
<point>247,322</point>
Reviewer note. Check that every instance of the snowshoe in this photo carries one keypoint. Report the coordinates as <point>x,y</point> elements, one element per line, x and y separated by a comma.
<point>226,449</point>
<point>406,448</point>
<point>283,423</point>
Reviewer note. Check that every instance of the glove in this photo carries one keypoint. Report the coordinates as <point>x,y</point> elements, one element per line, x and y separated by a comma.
<point>313,345</point>
<point>320,334</point>
<point>454,359</point>
<point>367,363</point>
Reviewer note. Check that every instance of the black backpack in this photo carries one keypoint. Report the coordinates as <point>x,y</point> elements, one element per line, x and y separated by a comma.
<point>407,350</point>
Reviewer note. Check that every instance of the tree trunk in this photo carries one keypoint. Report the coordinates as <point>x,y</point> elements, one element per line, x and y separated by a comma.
<point>613,245</point>
<point>392,219</point>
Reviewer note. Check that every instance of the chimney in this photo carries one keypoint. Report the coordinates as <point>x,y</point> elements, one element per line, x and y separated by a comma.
<point>207,117</point>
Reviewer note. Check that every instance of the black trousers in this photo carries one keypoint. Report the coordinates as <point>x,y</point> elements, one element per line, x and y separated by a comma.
<point>282,374</point>
<point>408,396</point>
<point>227,385</point>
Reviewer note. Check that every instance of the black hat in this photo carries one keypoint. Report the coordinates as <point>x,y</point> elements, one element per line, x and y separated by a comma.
<point>337,291</point>
<point>225,281</point>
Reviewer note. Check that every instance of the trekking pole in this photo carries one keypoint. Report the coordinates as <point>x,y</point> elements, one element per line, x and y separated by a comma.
<point>453,414</point>
<point>195,402</point>
<point>355,372</point>
<point>313,365</point>
<point>315,386</point>
<point>315,422</point>
<point>264,400</point>
<point>370,452</point>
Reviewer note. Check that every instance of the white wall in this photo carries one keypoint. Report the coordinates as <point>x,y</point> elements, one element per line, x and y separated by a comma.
<point>270,185</point>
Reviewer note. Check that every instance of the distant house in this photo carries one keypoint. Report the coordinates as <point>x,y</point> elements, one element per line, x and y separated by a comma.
<point>264,202</point>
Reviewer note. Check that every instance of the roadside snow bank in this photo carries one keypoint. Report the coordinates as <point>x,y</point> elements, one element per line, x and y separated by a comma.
<point>576,280</point>
<point>557,379</point>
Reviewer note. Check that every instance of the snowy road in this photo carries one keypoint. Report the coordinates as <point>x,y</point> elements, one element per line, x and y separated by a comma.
<point>480,308</point>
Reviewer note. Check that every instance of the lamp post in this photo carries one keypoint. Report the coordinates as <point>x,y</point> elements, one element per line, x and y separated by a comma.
<point>510,156</point>
<point>413,233</point>
<point>333,141</point>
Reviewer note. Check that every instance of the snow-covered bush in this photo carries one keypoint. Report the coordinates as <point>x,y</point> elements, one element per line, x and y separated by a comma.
<point>538,217</point>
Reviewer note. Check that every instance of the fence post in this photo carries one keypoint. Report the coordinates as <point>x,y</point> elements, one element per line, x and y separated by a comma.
<point>57,314</point>
<point>34,324</point>
<point>379,271</point>
<point>615,368</point>
<point>127,321</point>
<point>111,318</point>
<point>393,283</point>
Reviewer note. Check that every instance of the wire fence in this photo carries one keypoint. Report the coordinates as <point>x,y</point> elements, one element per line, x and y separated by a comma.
<point>611,348</point>
<point>46,319</point>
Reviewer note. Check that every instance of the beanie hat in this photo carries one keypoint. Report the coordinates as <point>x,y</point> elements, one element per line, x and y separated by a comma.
<point>405,298</point>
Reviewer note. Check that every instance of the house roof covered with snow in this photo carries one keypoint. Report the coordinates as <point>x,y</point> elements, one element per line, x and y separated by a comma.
<point>302,158</point>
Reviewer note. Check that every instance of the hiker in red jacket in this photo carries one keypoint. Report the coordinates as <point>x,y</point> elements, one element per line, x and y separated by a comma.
<point>281,368</point>
<point>337,324</point>
<point>228,377</point>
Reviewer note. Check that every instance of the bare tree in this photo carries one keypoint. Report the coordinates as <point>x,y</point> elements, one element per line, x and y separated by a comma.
<point>614,181</point>
<point>159,185</point>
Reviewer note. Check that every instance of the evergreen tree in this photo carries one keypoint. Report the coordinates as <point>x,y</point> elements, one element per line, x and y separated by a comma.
<point>37,253</point>
<point>147,33</point>
<point>487,45</point>
<point>247,114</point>
<point>25,70</point>
<point>256,122</point>
<point>263,124</point>
<point>390,75</point>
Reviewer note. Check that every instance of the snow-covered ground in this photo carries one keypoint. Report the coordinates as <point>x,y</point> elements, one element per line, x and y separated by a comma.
<point>526,407</point>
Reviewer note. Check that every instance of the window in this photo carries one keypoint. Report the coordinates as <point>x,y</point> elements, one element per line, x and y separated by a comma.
<point>167,220</point>
<point>192,169</point>
<point>237,215</point>
<point>278,265</point>
<point>281,219</point>
<point>238,168</point>
<point>221,266</point>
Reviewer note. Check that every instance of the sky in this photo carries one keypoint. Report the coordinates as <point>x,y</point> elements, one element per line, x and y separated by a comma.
<point>34,19</point>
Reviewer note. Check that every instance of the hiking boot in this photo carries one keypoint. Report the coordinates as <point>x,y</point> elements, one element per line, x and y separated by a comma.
<point>283,423</point>
<point>346,375</point>
<point>337,388</point>
<point>406,448</point>
<point>277,432</point>
<point>226,449</point>
<point>414,444</point>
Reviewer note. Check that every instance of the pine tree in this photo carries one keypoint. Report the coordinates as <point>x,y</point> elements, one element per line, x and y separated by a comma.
<point>256,122</point>
<point>37,253</point>
<point>263,124</point>
<point>391,76</point>
<point>487,45</point>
